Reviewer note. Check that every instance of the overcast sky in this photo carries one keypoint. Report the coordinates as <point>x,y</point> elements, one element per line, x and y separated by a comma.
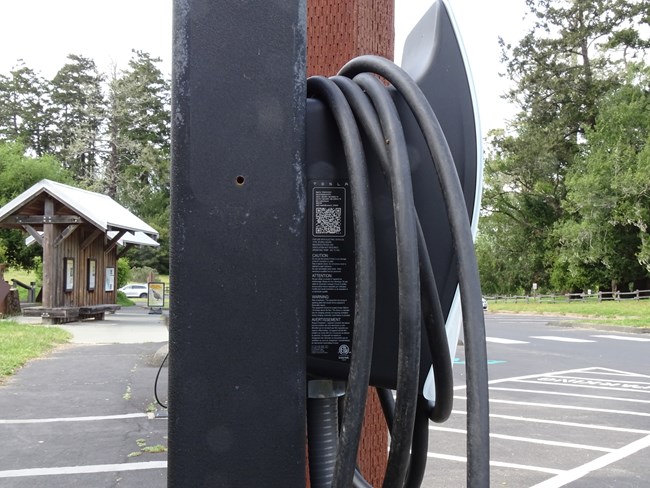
<point>44,32</point>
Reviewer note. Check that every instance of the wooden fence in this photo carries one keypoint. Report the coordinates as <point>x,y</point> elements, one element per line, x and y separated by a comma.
<point>574,297</point>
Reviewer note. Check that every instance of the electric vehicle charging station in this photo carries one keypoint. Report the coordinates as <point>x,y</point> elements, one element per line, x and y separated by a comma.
<point>297,208</point>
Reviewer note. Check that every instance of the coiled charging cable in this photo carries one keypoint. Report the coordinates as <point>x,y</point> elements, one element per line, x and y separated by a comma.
<point>354,97</point>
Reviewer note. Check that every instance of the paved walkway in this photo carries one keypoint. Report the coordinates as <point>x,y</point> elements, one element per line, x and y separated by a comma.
<point>83,415</point>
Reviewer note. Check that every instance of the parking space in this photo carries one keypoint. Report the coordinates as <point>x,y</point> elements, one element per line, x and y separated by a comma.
<point>84,415</point>
<point>583,426</point>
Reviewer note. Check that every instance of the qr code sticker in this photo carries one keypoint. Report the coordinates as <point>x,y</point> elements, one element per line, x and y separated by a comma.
<point>328,221</point>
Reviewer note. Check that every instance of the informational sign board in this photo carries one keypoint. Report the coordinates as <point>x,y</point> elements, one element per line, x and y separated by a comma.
<point>68,264</point>
<point>109,279</point>
<point>156,295</point>
<point>91,278</point>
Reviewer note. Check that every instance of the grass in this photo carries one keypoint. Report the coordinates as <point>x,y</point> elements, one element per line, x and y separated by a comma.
<point>142,444</point>
<point>21,275</point>
<point>21,342</point>
<point>630,313</point>
<point>123,301</point>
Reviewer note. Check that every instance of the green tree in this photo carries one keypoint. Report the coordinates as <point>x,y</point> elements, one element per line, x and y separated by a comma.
<point>572,56</point>
<point>138,130</point>
<point>604,236</point>
<point>137,166</point>
<point>117,143</point>
<point>25,114</point>
<point>17,173</point>
<point>78,112</point>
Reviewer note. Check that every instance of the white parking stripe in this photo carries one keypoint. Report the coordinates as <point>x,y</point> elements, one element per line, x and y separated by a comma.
<point>623,338</point>
<point>525,377</point>
<point>73,419</point>
<point>581,471</point>
<point>560,339</point>
<point>527,439</point>
<point>499,340</point>
<point>597,397</point>
<point>543,381</point>
<point>462,459</point>
<point>612,372</point>
<point>616,371</point>
<point>97,468</point>
<point>564,407</point>
<point>561,422</point>
<point>596,381</point>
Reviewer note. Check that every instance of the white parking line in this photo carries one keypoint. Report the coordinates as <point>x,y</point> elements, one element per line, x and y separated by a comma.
<point>564,407</point>
<point>73,419</point>
<point>581,471</point>
<point>615,372</point>
<point>97,468</point>
<point>525,377</point>
<point>561,422</point>
<point>596,397</point>
<point>593,377</point>
<point>644,385</point>
<point>623,338</point>
<point>462,459</point>
<point>500,340</point>
<point>545,380</point>
<point>604,372</point>
<point>530,440</point>
<point>560,339</point>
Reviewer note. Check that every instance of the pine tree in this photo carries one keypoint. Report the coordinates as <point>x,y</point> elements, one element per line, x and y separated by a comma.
<point>137,163</point>
<point>25,114</point>
<point>78,110</point>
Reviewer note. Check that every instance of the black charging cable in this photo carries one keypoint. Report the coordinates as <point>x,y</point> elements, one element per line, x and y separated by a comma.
<point>408,357</point>
<point>364,310</point>
<point>473,322</point>
<point>155,383</point>
<point>432,313</point>
<point>366,99</point>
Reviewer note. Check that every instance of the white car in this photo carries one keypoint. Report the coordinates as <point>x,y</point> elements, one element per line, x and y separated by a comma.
<point>485,306</point>
<point>135,290</point>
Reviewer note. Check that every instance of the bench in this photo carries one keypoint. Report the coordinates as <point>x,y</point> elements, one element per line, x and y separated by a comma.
<point>62,315</point>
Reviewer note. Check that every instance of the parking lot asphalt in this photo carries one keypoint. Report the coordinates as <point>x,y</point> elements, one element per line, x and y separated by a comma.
<point>85,414</point>
<point>569,407</point>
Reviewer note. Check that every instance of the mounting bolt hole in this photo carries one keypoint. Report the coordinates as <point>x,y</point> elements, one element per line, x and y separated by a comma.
<point>240,180</point>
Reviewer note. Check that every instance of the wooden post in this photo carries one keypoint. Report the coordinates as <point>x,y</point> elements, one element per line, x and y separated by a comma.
<point>49,253</point>
<point>3,287</point>
<point>337,31</point>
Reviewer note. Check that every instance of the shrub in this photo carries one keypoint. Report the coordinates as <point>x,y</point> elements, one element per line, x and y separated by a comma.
<point>142,274</point>
<point>123,272</point>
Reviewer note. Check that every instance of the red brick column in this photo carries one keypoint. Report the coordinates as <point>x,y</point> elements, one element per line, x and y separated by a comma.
<point>337,31</point>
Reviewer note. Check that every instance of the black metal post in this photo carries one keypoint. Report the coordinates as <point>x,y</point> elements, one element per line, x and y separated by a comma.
<point>237,312</point>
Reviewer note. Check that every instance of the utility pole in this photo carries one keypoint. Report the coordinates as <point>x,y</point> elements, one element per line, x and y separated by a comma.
<point>237,314</point>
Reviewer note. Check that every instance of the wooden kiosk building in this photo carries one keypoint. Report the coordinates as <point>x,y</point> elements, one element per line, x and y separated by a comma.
<point>79,232</point>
